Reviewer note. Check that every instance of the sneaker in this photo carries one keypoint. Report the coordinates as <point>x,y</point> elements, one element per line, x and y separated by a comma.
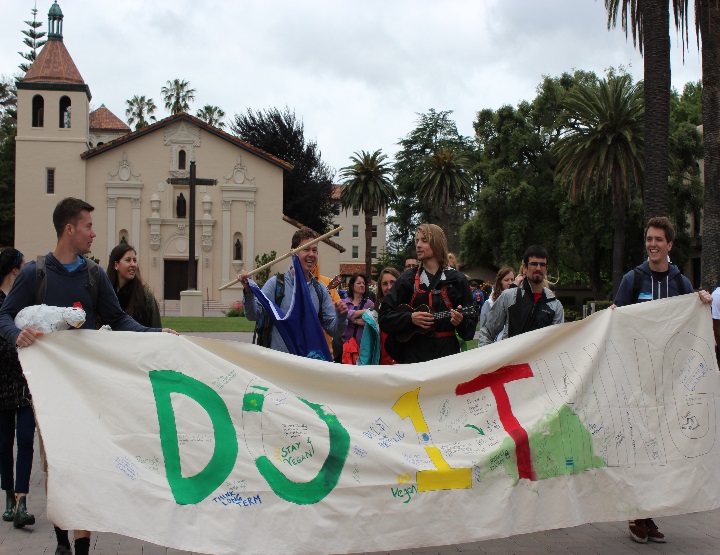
<point>638,530</point>
<point>653,534</point>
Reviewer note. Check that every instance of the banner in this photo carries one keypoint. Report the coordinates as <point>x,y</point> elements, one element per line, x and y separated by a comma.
<point>221,447</point>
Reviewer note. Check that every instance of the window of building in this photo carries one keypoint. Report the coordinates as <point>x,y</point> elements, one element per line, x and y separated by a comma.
<point>375,212</point>
<point>374,231</point>
<point>373,252</point>
<point>38,110</point>
<point>182,160</point>
<point>356,211</point>
<point>65,111</point>
<point>356,231</point>
<point>356,252</point>
<point>336,208</point>
<point>50,182</point>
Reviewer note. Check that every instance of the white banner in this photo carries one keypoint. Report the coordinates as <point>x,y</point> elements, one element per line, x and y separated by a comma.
<point>222,447</point>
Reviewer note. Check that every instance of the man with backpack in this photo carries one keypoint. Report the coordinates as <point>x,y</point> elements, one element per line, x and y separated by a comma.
<point>66,278</point>
<point>528,307</point>
<point>333,316</point>
<point>656,278</point>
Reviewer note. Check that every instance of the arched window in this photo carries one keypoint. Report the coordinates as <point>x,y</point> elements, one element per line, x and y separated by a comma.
<point>182,157</point>
<point>38,110</point>
<point>65,110</point>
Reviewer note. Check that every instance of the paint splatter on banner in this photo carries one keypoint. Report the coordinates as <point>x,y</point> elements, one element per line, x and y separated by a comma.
<point>220,447</point>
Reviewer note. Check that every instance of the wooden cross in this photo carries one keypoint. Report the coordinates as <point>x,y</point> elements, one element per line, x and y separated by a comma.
<point>191,182</point>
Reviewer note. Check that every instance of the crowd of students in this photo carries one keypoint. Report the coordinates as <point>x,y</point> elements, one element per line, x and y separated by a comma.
<point>427,311</point>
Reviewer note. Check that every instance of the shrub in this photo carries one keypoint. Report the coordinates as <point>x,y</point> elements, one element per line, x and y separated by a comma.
<point>236,310</point>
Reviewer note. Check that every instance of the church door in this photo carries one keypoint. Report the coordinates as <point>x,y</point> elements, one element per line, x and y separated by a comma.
<point>176,278</point>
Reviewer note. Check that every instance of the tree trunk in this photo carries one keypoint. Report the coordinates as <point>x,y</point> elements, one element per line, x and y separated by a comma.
<point>368,246</point>
<point>656,47</point>
<point>596,285</point>
<point>710,33</point>
<point>445,218</point>
<point>618,256</point>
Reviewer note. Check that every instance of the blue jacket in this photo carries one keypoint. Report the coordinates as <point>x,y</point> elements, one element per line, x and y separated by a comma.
<point>64,289</point>
<point>651,289</point>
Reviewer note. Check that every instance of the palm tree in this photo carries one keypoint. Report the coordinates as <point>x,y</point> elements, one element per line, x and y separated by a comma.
<point>212,115</point>
<point>604,147</point>
<point>177,95</point>
<point>367,188</point>
<point>446,179</point>
<point>707,23</point>
<point>649,23</point>
<point>140,110</point>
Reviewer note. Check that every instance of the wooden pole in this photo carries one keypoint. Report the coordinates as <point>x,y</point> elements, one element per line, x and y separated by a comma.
<point>287,255</point>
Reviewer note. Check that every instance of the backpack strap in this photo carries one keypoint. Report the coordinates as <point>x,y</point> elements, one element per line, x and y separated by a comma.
<point>93,282</point>
<point>318,291</point>
<point>279,288</point>
<point>40,280</point>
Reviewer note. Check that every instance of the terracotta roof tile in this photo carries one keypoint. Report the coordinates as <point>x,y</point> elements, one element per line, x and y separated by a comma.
<point>336,191</point>
<point>103,119</point>
<point>54,65</point>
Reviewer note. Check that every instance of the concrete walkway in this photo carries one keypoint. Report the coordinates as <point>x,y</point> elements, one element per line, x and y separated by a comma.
<point>694,534</point>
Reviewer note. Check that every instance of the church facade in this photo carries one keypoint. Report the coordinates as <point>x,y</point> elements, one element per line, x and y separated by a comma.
<point>64,150</point>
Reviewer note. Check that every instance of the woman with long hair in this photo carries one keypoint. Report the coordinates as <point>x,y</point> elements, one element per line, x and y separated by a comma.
<point>504,279</point>
<point>386,279</point>
<point>16,413</point>
<point>423,309</point>
<point>357,302</point>
<point>136,298</point>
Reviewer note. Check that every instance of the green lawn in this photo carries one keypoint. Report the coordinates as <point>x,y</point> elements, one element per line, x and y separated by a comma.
<point>188,324</point>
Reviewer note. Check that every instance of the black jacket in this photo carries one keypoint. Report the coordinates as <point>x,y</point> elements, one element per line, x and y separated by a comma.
<point>14,392</point>
<point>419,347</point>
<point>516,312</point>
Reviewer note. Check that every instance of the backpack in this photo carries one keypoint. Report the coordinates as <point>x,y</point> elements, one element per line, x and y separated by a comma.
<point>262,334</point>
<point>41,281</point>
<point>637,285</point>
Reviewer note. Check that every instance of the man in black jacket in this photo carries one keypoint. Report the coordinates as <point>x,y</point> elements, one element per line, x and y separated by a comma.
<point>423,310</point>
<point>529,307</point>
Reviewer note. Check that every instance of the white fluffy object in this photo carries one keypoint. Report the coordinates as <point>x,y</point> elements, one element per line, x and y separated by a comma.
<point>44,318</point>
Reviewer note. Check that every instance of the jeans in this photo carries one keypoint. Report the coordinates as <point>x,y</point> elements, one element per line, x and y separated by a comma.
<point>25,438</point>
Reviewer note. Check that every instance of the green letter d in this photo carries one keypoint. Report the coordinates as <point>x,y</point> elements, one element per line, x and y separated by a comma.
<point>193,489</point>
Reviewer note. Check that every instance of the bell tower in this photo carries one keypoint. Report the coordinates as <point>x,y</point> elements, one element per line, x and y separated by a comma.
<point>52,132</point>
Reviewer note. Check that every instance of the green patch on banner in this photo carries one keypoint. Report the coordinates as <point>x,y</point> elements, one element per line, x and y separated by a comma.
<point>559,444</point>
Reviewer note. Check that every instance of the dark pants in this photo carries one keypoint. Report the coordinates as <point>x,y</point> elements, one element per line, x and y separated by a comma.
<point>25,437</point>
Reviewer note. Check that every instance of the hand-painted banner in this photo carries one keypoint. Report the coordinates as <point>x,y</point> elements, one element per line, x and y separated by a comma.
<point>222,447</point>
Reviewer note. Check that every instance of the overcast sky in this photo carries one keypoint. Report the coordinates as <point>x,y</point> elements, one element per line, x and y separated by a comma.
<point>357,73</point>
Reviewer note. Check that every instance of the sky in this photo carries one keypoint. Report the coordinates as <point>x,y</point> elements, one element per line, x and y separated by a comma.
<point>356,73</point>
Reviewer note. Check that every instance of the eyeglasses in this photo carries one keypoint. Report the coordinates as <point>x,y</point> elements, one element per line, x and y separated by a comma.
<point>537,264</point>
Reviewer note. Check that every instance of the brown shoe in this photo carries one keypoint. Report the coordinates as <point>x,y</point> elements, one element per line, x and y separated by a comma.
<point>638,530</point>
<point>653,534</point>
